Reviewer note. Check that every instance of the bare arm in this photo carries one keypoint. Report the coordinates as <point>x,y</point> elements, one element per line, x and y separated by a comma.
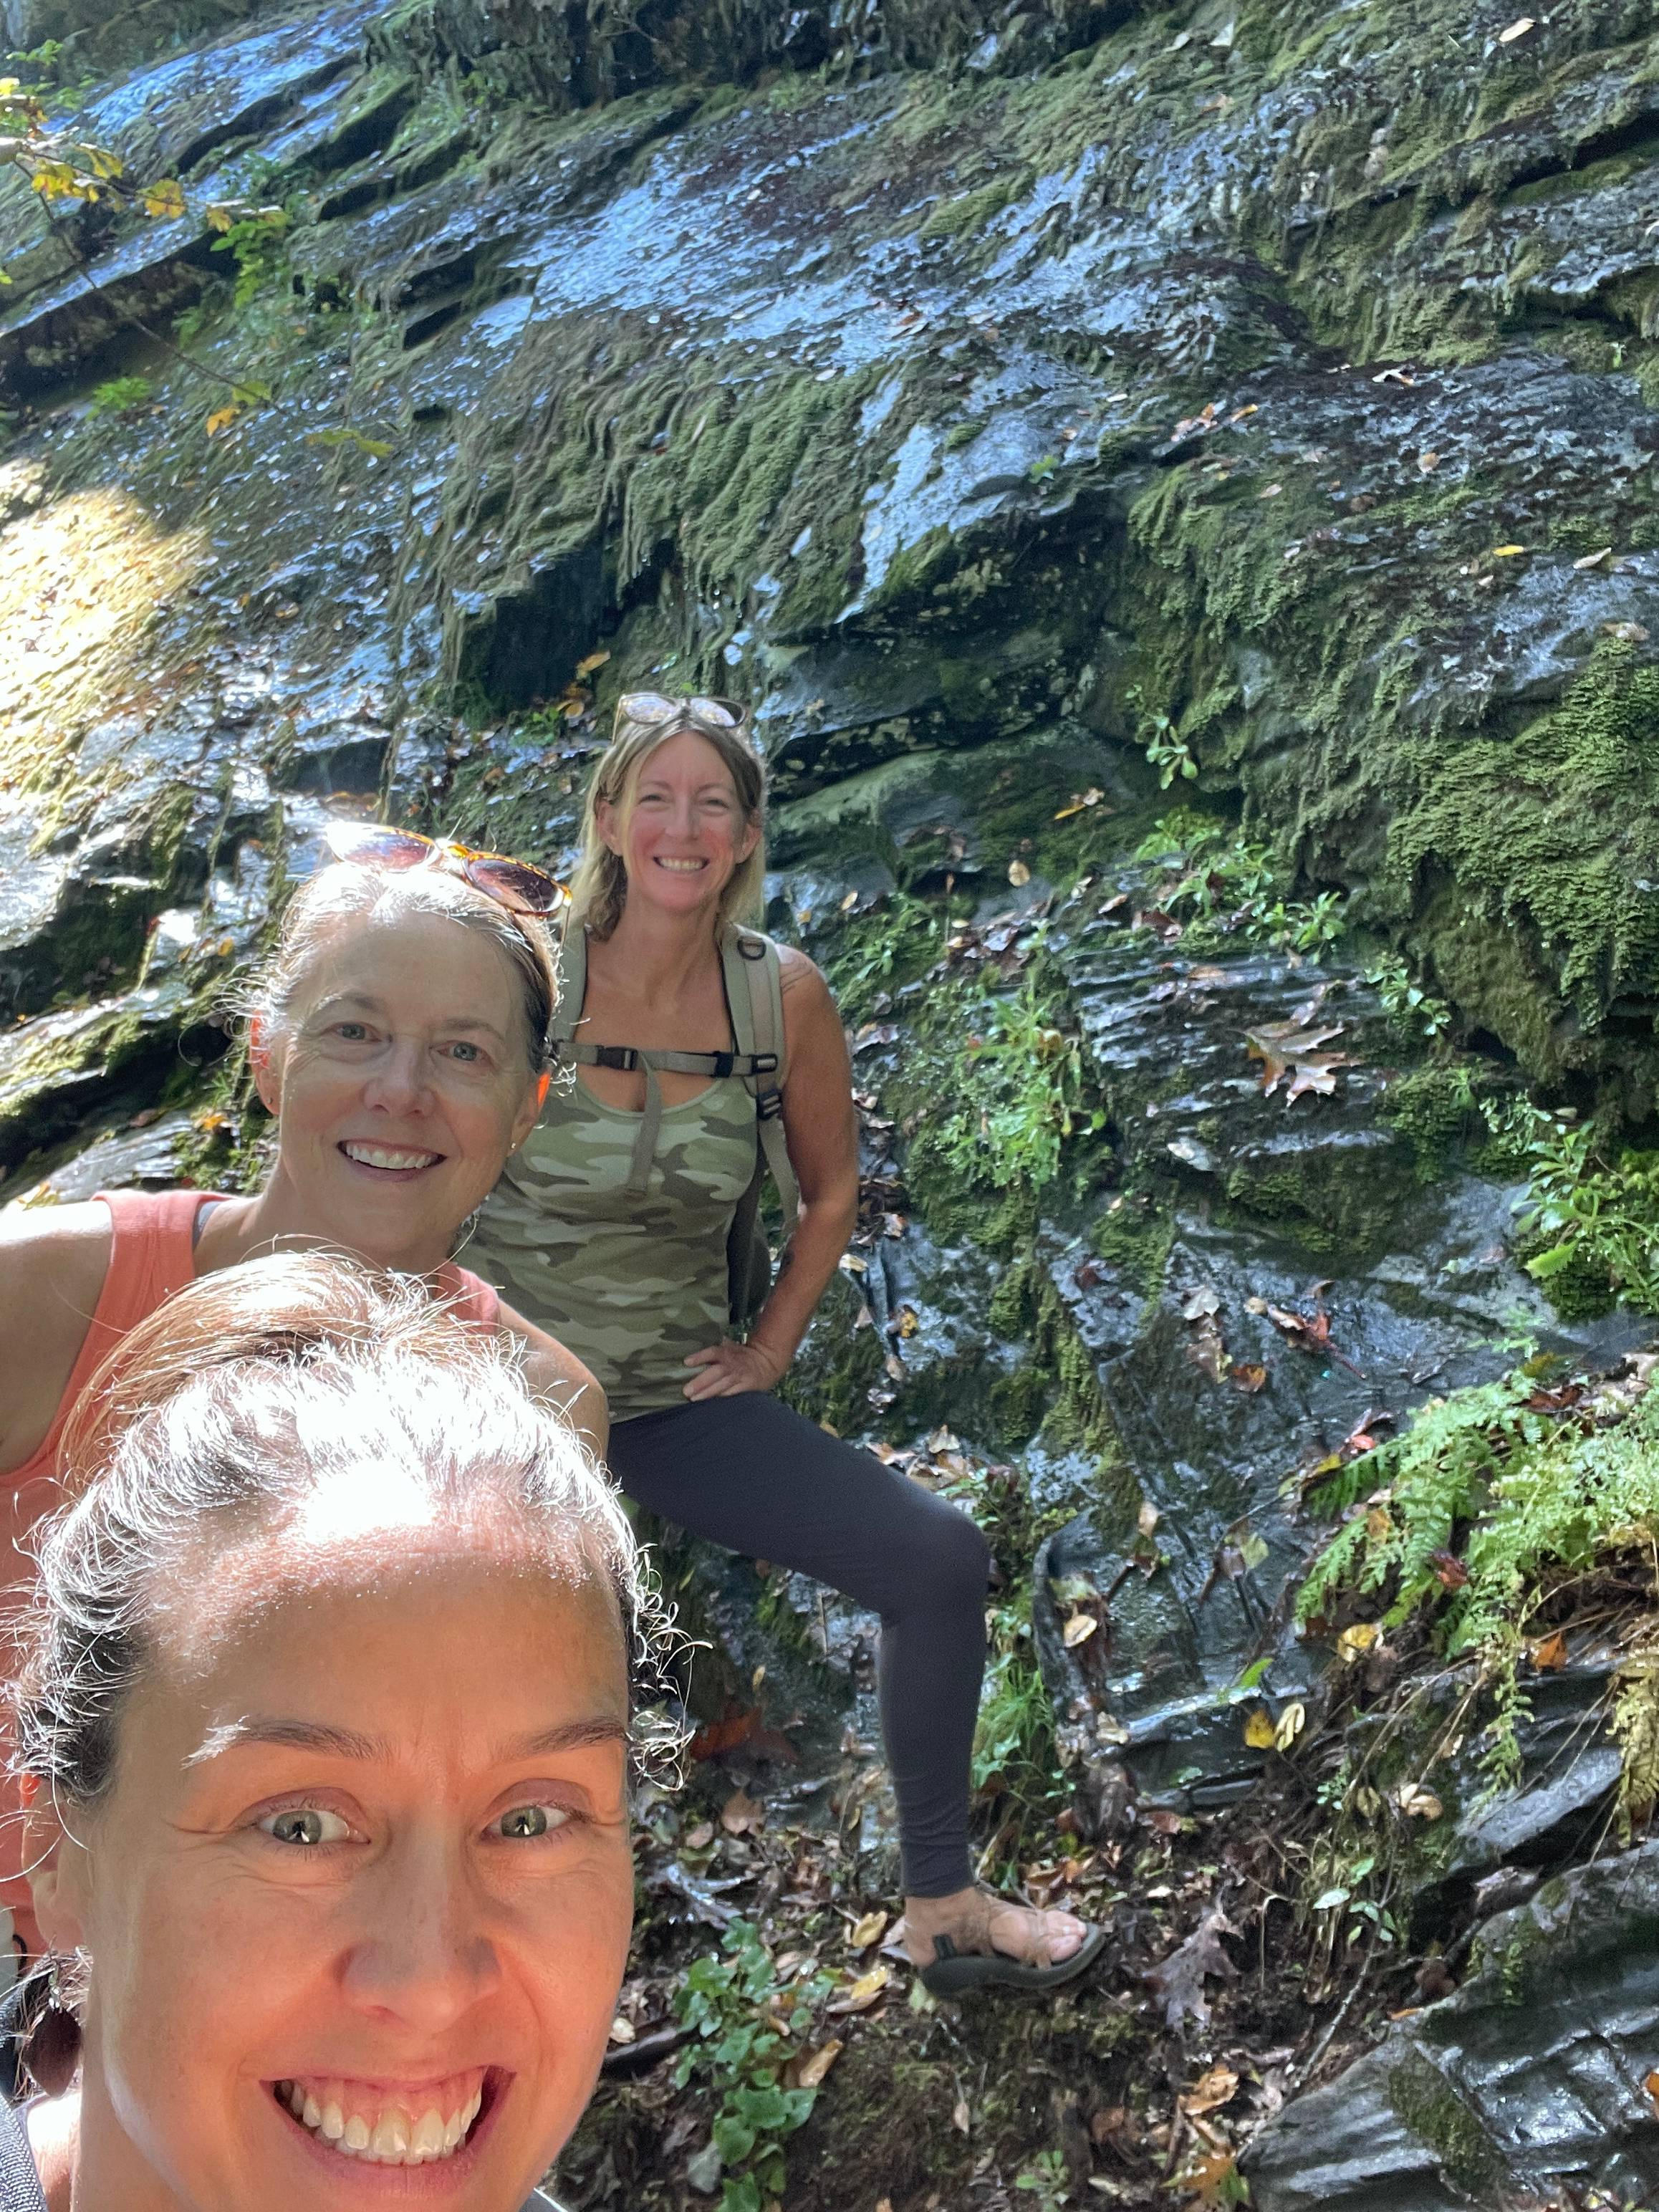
<point>821,1131</point>
<point>559,1379</point>
<point>52,1267</point>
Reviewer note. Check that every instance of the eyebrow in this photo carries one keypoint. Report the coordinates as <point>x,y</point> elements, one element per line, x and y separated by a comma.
<point>366,1003</point>
<point>352,1743</point>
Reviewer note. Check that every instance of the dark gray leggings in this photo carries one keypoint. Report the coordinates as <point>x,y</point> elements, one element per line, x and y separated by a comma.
<point>748,1473</point>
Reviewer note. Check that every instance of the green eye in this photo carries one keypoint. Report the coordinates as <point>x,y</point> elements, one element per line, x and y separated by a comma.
<point>525,1822</point>
<point>305,1826</point>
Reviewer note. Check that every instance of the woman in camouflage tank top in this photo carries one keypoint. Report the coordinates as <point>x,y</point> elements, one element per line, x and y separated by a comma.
<point>610,1228</point>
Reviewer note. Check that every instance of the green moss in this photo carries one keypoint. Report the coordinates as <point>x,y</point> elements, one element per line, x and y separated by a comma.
<point>1432,2108</point>
<point>971,211</point>
<point>1433,1108</point>
<point>1134,1233</point>
<point>839,1365</point>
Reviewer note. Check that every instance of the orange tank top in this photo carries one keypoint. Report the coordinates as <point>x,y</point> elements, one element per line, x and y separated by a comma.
<point>152,1253</point>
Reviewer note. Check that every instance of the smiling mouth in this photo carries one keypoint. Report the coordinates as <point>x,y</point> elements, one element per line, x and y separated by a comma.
<point>682,867</point>
<point>389,1159</point>
<point>379,2127</point>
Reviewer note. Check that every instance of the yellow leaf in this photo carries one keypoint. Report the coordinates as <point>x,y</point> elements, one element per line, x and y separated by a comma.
<point>1148,1517</point>
<point>1354,1643</point>
<point>1549,1654</point>
<point>1428,461</point>
<point>1518,29</point>
<point>1078,1629</point>
<point>164,198</point>
<point>1018,874</point>
<point>220,215</point>
<point>8,86</point>
<point>867,1930</point>
<point>1292,1722</point>
<point>1259,1729</point>
<point>816,2063</point>
<point>1418,1803</point>
<point>104,164</point>
<point>1594,560</point>
<point>849,902</point>
<point>1505,552</point>
<point>1211,2091</point>
<point>864,1992</point>
<point>586,668</point>
<point>221,419</point>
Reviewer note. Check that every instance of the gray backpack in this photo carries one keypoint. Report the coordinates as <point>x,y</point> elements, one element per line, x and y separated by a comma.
<point>754,998</point>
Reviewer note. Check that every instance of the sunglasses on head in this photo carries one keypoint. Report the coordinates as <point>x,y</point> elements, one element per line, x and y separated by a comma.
<point>650,710</point>
<point>514,884</point>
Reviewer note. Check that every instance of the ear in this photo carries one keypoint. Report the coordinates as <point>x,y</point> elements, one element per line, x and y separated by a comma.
<point>747,843</point>
<point>608,823</point>
<point>57,1870</point>
<point>262,1059</point>
<point>530,1110</point>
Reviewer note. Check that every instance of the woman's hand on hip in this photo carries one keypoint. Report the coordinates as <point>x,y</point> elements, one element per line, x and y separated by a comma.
<point>729,1368</point>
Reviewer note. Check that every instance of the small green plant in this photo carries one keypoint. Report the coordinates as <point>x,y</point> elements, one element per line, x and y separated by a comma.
<point>1044,2180</point>
<point>876,951</point>
<point>1478,1510</point>
<point>732,2005</point>
<point>119,394</point>
<point>256,239</point>
<point>1165,749</point>
<point>1594,1220</point>
<point>1014,1754</point>
<point>1219,883</point>
<point>1412,1011</point>
<point>1020,1090</point>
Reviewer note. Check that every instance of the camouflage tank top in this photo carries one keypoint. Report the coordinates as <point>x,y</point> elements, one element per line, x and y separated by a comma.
<point>632,1285</point>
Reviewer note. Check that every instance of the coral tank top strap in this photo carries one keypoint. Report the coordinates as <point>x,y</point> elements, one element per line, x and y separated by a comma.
<point>152,1253</point>
<point>472,1300</point>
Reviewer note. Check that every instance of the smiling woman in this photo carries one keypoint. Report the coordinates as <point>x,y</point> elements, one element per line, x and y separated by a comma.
<point>399,1037</point>
<point>348,1898</point>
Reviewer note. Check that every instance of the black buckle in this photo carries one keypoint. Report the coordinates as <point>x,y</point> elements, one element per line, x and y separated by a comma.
<point>724,1062</point>
<point>763,1063</point>
<point>768,1106</point>
<point>622,1057</point>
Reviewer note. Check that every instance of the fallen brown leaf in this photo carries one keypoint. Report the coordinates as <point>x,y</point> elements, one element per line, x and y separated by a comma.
<point>1178,1981</point>
<point>741,1815</point>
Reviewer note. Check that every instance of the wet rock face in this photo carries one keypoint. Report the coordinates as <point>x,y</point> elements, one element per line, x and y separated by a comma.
<point>1532,2076</point>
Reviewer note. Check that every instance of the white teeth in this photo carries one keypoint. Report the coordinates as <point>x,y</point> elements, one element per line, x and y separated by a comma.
<point>683,867</point>
<point>371,1155</point>
<point>394,2138</point>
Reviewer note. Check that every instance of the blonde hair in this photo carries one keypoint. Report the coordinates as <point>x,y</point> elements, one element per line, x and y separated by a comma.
<point>358,890</point>
<point>599,888</point>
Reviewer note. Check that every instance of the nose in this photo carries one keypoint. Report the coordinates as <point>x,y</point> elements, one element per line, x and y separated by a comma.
<point>400,1080</point>
<point>423,1953</point>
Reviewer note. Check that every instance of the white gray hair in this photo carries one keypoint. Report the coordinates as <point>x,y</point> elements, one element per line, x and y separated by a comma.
<point>221,1415</point>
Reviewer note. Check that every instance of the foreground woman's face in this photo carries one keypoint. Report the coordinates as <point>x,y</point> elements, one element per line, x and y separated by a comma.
<point>358,1905</point>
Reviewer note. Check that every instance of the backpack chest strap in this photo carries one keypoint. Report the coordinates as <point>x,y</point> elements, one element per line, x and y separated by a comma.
<point>630,1059</point>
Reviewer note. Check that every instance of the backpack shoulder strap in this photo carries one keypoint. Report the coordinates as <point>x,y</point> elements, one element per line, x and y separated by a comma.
<point>754,991</point>
<point>573,985</point>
